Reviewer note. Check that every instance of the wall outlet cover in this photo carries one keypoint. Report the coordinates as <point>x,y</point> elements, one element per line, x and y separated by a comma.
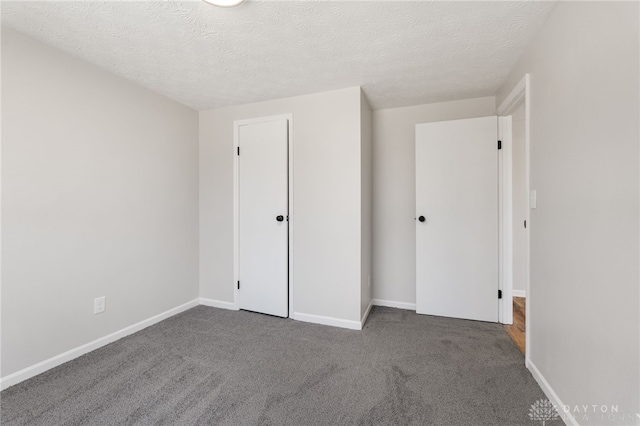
<point>99,305</point>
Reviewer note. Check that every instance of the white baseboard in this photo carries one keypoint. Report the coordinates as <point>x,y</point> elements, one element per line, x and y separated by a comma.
<point>518,293</point>
<point>41,367</point>
<point>366,314</point>
<point>392,304</point>
<point>218,304</point>
<point>336,322</point>
<point>550,393</point>
<point>74,353</point>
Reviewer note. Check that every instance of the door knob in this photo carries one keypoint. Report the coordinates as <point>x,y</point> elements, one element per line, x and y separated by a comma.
<point>421,219</point>
<point>280,218</point>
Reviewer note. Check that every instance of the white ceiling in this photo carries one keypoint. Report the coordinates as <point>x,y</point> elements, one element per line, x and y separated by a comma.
<point>402,53</point>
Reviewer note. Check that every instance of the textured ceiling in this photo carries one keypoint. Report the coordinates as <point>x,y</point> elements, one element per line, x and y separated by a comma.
<point>401,53</point>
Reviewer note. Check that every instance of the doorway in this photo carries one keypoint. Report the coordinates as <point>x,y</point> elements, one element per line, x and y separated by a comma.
<point>517,330</point>
<point>514,120</point>
<point>262,215</point>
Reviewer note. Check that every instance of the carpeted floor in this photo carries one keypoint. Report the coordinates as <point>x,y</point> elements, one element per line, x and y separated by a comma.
<point>212,366</point>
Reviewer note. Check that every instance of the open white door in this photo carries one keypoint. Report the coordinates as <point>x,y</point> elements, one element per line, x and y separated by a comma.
<point>457,219</point>
<point>263,221</point>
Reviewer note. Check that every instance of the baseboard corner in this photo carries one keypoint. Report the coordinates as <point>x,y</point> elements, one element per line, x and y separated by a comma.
<point>394,304</point>
<point>322,320</point>
<point>218,304</point>
<point>363,320</point>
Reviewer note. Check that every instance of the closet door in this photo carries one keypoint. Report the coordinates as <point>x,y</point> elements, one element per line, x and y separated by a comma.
<point>457,219</point>
<point>263,225</point>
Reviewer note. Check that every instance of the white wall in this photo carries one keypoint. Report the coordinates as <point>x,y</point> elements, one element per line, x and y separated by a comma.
<point>326,220</point>
<point>584,294</point>
<point>366,160</point>
<point>99,197</point>
<point>519,194</point>
<point>394,240</point>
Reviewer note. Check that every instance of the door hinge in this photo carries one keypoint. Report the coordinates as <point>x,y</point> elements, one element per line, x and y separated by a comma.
<point>499,294</point>
<point>238,150</point>
<point>525,224</point>
<point>499,144</point>
<point>238,285</point>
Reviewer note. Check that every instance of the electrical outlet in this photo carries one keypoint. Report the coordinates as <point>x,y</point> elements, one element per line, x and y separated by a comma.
<point>99,305</point>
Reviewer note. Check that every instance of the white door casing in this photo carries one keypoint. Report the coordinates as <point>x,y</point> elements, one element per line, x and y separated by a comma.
<point>457,258</point>
<point>520,94</point>
<point>262,217</point>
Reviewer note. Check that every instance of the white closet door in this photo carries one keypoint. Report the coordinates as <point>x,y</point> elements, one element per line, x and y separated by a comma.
<point>263,217</point>
<point>457,219</point>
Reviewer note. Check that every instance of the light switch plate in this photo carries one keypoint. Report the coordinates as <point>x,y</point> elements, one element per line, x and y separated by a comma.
<point>532,199</point>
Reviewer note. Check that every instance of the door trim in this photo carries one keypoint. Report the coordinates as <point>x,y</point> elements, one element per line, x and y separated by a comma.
<point>236,265</point>
<point>505,220</point>
<point>520,94</point>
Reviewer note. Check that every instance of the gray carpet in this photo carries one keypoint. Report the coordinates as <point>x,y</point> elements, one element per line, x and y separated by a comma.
<point>212,366</point>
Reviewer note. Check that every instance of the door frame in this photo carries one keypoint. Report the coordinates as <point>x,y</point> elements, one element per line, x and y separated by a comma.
<point>505,221</point>
<point>518,96</point>
<point>236,222</point>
